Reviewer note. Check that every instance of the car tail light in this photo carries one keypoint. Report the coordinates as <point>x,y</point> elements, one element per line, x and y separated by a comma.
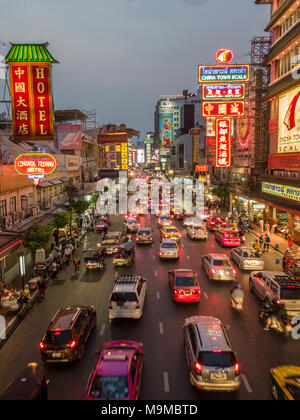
<point>151,239</point>
<point>278,302</point>
<point>161,253</point>
<point>197,292</point>
<point>212,223</point>
<point>237,369</point>
<point>213,271</point>
<point>198,368</point>
<point>165,236</point>
<point>137,238</point>
<point>234,271</point>
<point>176,292</point>
<point>137,306</point>
<point>73,344</point>
<point>42,345</point>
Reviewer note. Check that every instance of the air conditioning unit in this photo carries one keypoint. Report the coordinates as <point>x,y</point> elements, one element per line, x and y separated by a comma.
<point>21,214</point>
<point>35,211</point>
<point>7,222</point>
<point>16,218</point>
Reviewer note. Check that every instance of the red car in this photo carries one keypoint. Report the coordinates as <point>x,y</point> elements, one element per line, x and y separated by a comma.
<point>228,237</point>
<point>118,372</point>
<point>184,286</point>
<point>214,223</point>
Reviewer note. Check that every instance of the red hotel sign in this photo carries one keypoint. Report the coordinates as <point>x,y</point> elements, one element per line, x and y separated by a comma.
<point>223,153</point>
<point>35,164</point>
<point>223,109</point>
<point>31,99</point>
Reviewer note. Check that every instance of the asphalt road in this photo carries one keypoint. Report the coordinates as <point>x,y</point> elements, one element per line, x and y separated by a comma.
<point>165,375</point>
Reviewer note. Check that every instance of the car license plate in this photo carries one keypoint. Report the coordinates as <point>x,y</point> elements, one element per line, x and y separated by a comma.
<point>56,355</point>
<point>187,293</point>
<point>219,376</point>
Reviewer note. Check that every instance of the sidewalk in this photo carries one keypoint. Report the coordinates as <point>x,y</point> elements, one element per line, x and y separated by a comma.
<point>276,239</point>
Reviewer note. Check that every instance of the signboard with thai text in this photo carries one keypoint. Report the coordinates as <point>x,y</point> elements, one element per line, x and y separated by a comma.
<point>219,73</point>
<point>283,191</point>
<point>221,91</point>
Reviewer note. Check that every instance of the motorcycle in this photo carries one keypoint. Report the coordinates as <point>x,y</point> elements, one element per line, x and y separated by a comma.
<point>281,326</point>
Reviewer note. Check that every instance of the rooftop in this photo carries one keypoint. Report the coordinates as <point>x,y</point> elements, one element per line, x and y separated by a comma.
<point>29,53</point>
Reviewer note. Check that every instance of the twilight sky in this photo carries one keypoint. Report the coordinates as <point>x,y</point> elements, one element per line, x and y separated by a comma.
<point>118,56</point>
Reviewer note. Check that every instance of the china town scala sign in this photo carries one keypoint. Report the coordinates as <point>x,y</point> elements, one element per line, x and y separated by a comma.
<point>35,164</point>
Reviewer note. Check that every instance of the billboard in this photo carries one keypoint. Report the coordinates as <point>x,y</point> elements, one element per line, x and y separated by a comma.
<point>224,56</point>
<point>223,109</point>
<point>31,101</point>
<point>283,191</point>
<point>223,152</point>
<point>231,73</point>
<point>166,129</point>
<point>35,164</point>
<point>289,122</point>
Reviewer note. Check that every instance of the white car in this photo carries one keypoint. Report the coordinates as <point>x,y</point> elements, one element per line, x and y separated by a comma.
<point>128,297</point>
<point>247,259</point>
<point>169,249</point>
<point>197,231</point>
<point>164,221</point>
<point>191,221</point>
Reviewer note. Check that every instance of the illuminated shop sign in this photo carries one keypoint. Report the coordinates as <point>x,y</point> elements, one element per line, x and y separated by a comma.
<point>202,168</point>
<point>233,73</point>
<point>289,122</point>
<point>224,56</point>
<point>233,91</point>
<point>31,99</point>
<point>223,109</point>
<point>292,193</point>
<point>35,164</point>
<point>223,153</point>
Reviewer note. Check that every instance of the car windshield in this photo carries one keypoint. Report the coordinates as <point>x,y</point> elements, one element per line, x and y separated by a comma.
<point>59,338</point>
<point>185,281</point>
<point>164,218</point>
<point>217,359</point>
<point>249,254</point>
<point>290,293</point>
<point>110,387</point>
<point>123,297</point>
<point>144,232</point>
<point>171,231</point>
<point>198,228</point>
<point>132,222</point>
<point>222,263</point>
<point>169,246</point>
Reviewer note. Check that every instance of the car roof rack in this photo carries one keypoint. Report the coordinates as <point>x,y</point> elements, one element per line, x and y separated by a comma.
<point>123,279</point>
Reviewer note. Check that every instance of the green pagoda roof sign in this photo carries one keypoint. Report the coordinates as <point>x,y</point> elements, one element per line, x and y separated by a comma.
<point>29,53</point>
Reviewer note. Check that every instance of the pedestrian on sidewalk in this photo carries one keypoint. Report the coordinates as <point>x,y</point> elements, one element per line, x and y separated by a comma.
<point>76,262</point>
<point>261,241</point>
<point>267,228</point>
<point>261,225</point>
<point>54,270</point>
<point>290,241</point>
<point>41,284</point>
<point>267,243</point>
<point>67,253</point>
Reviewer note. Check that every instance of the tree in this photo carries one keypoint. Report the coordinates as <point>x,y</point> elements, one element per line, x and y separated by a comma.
<point>223,194</point>
<point>80,207</point>
<point>60,220</point>
<point>38,237</point>
<point>94,198</point>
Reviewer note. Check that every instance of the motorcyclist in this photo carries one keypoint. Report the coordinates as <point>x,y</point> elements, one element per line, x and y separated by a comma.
<point>237,294</point>
<point>285,258</point>
<point>277,315</point>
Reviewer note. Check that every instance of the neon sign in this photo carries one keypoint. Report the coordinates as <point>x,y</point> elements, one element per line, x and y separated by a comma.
<point>224,56</point>
<point>35,164</point>
<point>233,91</point>
<point>223,152</point>
<point>219,73</point>
<point>223,109</point>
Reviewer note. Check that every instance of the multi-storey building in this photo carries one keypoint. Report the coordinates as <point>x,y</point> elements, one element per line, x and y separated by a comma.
<point>280,187</point>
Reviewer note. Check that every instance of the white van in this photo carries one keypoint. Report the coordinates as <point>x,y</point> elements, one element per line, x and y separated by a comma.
<point>128,297</point>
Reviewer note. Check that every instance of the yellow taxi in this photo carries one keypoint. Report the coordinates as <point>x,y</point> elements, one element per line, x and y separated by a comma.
<point>170,232</point>
<point>285,383</point>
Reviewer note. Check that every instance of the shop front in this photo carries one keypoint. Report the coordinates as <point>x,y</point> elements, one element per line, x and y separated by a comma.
<point>254,210</point>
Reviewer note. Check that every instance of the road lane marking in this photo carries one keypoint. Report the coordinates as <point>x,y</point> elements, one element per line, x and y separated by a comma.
<point>156,273</point>
<point>188,257</point>
<point>102,329</point>
<point>205,295</point>
<point>157,295</point>
<point>161,328</point>
<point>182,246</point>
<point>154,257</point>
<point>246,383</point>
<point>166,382</point>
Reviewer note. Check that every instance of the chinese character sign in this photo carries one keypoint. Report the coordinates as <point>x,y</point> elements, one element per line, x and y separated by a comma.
<point>223,153</point>
<point>230,91</point>
<point>31,98</point>
<point>223,109</point>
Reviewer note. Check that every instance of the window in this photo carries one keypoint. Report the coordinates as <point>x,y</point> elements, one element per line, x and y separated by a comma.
<point>133,372</point>
<point>192,338</point>
<point>3,209</point>
<point>30,200</point>
<point>274,288</point>
<point>24,202</point>
<point>13,204</point>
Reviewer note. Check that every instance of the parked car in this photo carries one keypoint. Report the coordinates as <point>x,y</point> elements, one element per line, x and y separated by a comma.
<point>169,249</point>
<point>184,286</point>
<point>197,231</point>
<point>277,286</point>
<point>67,334</point>
<point>228,237</point>
<point>218,267</point>
<point>247,259</point>
<point>118,372</point>
<point>212,363</point>
<point>128,297</point>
